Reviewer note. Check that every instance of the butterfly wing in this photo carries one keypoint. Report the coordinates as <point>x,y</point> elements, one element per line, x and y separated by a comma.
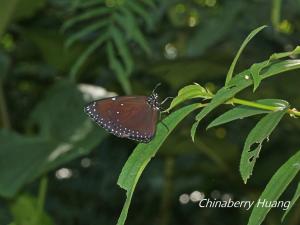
<point>128,117</point>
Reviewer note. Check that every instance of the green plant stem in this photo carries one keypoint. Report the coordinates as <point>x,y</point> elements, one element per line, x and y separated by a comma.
<point>253,104</point>
<point>167,191</point>
<point>3,109</point>
<point>42,192</point>
<point>275,13</point>
<point>41,198</point>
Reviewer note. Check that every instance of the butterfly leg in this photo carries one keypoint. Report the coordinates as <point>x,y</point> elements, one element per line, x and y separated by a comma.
<point>164,101</point>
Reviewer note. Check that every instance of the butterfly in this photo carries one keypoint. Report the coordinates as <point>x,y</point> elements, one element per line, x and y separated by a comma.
<point>132,117</point>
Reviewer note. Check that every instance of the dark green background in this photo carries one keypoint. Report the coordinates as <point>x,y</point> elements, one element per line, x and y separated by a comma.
<point>45,109</point>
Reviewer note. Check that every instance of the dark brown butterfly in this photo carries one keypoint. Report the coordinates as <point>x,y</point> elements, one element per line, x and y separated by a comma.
<point>133,117</point>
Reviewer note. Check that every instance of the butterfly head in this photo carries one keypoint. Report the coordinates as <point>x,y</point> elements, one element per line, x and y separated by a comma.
<point>153,101</point>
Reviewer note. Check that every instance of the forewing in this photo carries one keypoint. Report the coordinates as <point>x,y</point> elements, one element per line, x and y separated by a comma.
<point>129,117</point>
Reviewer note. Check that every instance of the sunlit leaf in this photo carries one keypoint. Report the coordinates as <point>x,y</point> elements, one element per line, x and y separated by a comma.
<point>254,141</point>
<point>239,83</point>
<point>276,186</point>
<point>143,153</point>
<point>190,92</point>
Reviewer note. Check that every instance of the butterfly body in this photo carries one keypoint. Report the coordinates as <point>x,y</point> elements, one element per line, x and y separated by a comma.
<point>132,117</point>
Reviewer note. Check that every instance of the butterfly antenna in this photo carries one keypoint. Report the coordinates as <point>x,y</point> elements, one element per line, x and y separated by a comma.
<point>156,86</point>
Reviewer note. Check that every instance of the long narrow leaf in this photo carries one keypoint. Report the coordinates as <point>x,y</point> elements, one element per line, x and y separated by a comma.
<point>92,47</point>
<point>116,66</point>
<point>244,44</point>
<point>122,48</point>
<point>128,23</point>
<point>276,186</point>
<point>293,201</point>
<point>85,31</point>
<point>253,144</point>
<point>85,16</point>
<point>143,153</point>
<point>141,12</point>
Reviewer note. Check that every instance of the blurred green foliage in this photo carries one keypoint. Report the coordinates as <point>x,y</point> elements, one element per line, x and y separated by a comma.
<point>45,133</point>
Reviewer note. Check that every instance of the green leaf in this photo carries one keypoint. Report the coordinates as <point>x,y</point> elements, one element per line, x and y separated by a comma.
<point>89,14</point>
<point>116,66</point>
<point>140,39</point>
<point>253,144</point>
<point>244,44</point>
<point>21,160</point>
<point>24,211</point>
<point>293,201</point>
<point>280,55</point>
<point>239,83</point>
<point>122,48</point>
<point>143,153</point>
<point>193,130</point>
<point>190,92</point>
<point>65,134</point>
<point>280,67</point>
<point>276,186</point>
<point>141,12</point>
<point>255,70</point>
<point>90,49</point>
<point>85,31</point>
<point>241,112</point>
<point>128,22</point>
